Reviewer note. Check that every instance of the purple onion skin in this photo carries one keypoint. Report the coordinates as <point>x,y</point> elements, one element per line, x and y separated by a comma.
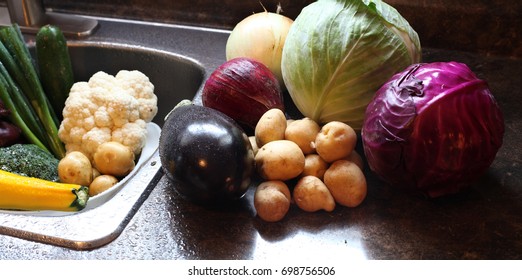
<point>434,127</point>
<point>243,89</point>
<point>9,134</point>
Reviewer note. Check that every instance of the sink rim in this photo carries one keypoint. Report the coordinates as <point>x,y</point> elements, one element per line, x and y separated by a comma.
<point>133,48</point>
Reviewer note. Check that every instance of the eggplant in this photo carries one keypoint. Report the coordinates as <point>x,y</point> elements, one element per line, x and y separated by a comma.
<point>206,155</point>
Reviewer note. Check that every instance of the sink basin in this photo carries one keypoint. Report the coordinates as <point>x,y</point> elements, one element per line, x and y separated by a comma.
<point>175,77</point>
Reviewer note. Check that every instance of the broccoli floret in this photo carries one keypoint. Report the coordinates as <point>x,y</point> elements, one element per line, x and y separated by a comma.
<point>29,160</point>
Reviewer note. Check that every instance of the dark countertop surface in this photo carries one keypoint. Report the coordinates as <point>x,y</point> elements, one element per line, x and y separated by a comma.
<point>482,223</point>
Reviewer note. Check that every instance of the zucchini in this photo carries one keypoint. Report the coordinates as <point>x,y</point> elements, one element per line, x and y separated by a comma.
<point>19,192</point>
<point>54,64</point>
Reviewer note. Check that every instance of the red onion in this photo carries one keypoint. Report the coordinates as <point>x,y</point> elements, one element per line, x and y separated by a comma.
<point>243,89</point>
<point>9,133</point>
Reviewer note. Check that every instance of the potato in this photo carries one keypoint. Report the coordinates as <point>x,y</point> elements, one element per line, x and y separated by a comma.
<point>303,132</point>
<point>272,200</point>
<point>355,158</point>
<point>95,173</point>
<point>101,184</point>
<point>75,168</point>
<point>270,127</point>
<point>113,158</point>
<point>311,194</point>
<point>314,166</point>
<point>280,160</point>
<point>336,140</point>
<point>346,183</point>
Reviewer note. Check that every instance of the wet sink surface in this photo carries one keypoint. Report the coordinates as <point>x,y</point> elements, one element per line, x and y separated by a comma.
<point>484,223</point>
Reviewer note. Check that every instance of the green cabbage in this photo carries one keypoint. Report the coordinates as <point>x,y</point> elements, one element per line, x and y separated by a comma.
<point>339,52</point>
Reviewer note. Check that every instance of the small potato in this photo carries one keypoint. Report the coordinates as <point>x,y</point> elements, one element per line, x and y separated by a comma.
<point>270,127</point>
<point>280,160</point>
<point>272,200</point>
<point>346,183</point>
<point>95,173</point>
<point>101,184</point>
<point>311,194</point>
<point>113,158</point>
<point>75,168</point>
<point>314,166</point>
<point>303,132</point>
<point>356,158</point>
<point>336,140</point>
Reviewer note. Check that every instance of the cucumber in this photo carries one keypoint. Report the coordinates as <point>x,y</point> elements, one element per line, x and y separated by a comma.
<point>54,65</point>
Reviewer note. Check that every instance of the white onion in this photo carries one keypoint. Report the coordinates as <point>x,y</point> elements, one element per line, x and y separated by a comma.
<point>261,37</point>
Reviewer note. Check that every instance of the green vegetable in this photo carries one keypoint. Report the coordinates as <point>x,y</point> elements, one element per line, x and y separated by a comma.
<point>29,160</point>
<point>339,52</point>
<point>24,74</point>
<point>21,105</point>
<point>6,94</point>
<point>54,64</point>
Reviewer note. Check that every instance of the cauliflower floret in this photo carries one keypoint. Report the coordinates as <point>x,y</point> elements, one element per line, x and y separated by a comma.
<point>108,108</point>
<point>102,80</point>
<point>94,138</point>
<point>131,135</point>
<point>120,108</point>
<point>142,89</point>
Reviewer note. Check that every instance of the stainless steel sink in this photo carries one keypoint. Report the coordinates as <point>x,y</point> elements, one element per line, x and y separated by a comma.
<point>175,77</point>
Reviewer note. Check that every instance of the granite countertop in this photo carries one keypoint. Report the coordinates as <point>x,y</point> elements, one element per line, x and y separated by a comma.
<point>482,223</point>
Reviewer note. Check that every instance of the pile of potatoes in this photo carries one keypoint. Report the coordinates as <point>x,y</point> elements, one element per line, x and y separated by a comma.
<point>322,159</point>
<point>111,161</point>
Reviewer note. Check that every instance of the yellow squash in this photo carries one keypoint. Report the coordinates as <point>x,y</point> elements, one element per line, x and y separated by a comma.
<point>25,193</point>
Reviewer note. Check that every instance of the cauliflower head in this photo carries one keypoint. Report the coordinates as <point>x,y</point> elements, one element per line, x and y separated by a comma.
<point>108,108</point>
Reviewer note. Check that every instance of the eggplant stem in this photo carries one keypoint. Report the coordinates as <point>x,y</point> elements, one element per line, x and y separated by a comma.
<point>183,102</point>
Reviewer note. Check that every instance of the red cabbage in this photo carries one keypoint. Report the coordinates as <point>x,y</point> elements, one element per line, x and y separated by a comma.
<point>434,127</point>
